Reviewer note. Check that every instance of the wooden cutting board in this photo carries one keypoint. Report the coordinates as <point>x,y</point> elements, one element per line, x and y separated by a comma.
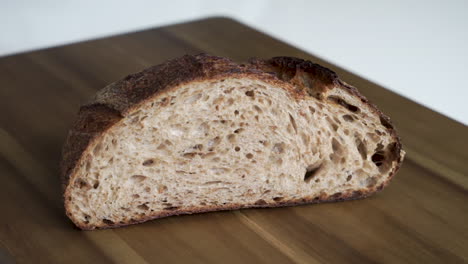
<point>422,217</point>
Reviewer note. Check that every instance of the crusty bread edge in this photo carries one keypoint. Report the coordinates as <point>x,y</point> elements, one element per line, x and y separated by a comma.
<point>348,196</point>
<point>118,99</point>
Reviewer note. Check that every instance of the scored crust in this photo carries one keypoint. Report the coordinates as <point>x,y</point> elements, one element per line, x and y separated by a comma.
<point>114,102</point>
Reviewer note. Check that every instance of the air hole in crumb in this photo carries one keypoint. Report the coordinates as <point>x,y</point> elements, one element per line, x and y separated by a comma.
<point>107,221</point>
<point>86,218</point>
<point>361,147</point>
<point>138,178</point>
<point>349,177</point>
<point>258,109</point>
<point>336,195</point>
<point>237,131</point>
<point>293,122</point>
<point>189,155</point>
<point>147,189</point>
<point>96,184</point>
<point>236,148</point>
<point>278,198</point>
<point>336,146</point>
<point>212,182</point>
<point>81,183</point>
<point>236,112</point>
<point>332,124</point>
<point>199,146</point>
<point>143,207</point>
<point>249,155</point>
<point>378,158</point>
<point>161,146</point>
<point>311,109</point>
<point>337,120</point>
<point>148,162</point>
<point>343,103</point>
<point>136,196</point>
<point>171,208</point>
<point>250,93</point>
<point>311,172</point>
<point>348,118</point>
<point>260,202</point>
<point>317,180</point>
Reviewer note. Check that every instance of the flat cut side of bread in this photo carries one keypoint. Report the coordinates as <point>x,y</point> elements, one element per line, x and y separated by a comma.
<point>202,133</point>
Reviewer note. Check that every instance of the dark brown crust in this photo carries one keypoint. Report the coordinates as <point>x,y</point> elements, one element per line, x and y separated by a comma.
<point>118,99</point>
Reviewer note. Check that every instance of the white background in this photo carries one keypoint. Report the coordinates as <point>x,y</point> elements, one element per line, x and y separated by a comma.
<point>418,49</point>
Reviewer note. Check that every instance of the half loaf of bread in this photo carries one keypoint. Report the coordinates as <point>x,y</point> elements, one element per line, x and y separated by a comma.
<point>202,133</point>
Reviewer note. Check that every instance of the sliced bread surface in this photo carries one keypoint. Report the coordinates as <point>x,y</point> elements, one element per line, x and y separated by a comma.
<point>202,133</point>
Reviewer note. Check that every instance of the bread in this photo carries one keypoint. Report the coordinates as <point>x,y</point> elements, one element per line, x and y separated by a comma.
<point>202,133</point>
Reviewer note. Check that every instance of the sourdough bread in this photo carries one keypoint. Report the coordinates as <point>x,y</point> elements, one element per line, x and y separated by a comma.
<point>202,133</point>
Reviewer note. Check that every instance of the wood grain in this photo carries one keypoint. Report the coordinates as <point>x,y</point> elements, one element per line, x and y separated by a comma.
<point>421,218</point>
